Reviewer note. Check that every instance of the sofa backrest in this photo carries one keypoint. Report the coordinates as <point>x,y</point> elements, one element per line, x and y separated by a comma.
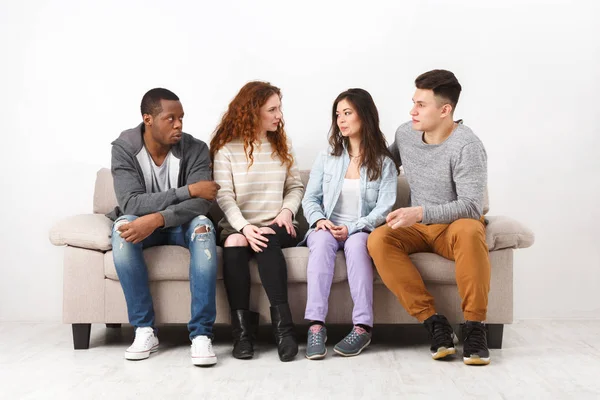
<point>105,199</point>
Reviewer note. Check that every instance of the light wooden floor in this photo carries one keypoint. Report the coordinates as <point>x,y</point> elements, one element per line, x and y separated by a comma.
<point>539,360</point>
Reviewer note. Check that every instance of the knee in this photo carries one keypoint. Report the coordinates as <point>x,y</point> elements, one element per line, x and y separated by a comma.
<point>322,240</point>
<point>202,224</point>
<point>468,229</point>
<point>202,228</point>
<point>272,233</point>
<point>359,239</point>
<point>269,230</point>
<point>236,240</point>
<point>376,238</point>
<point>119,222</point>
<point>122,249</point>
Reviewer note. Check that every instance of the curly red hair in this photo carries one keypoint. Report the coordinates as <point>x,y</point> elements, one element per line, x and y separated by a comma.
<point>242,121</point>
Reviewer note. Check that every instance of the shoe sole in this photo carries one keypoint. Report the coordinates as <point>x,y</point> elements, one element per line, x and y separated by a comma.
<point>204,361</point>
<point>142,355</point>
<point>443,352</point>
<point>476,360</point>
<point>352,354</point>
<point>244,357</point>
<point>317,356</point>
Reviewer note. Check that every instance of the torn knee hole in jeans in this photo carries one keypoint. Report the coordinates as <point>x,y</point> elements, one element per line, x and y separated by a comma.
<point>201,232</point>
<point>119,224</point>
<point>116,227</point>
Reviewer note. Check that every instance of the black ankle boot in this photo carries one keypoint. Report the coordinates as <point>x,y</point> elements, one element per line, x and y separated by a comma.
<point>283,329</point>
<point>244,324</point>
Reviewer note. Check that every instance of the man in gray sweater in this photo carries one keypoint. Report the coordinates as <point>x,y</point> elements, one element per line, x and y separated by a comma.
<point>446,168</point>
<point>164,188</point>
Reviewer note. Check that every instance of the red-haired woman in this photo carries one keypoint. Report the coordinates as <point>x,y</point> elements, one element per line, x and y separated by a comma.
<point>260,193</point>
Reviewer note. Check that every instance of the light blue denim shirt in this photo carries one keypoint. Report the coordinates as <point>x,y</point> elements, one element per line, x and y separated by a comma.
<point>325,185</point>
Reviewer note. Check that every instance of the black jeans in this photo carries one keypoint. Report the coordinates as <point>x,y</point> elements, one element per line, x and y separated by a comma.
<point>272,269</point>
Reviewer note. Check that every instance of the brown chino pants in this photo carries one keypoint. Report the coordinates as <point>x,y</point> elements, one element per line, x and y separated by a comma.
<point>462,241</point>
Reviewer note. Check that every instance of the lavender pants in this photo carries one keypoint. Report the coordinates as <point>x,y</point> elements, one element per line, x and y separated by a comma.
<point>323,247</point>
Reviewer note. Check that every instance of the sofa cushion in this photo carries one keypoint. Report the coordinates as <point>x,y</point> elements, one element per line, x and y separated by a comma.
<point>172,263</point>
<point>297,261</point>
<point>164,263</point>
<point>88,231</point>
<point>507,233</point>
<point>105,199</point>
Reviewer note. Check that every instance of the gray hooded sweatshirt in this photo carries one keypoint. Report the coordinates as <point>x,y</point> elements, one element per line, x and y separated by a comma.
<point>189,163</point>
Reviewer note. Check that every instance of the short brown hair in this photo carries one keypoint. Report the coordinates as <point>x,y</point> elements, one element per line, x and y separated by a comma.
<point>443,83</point>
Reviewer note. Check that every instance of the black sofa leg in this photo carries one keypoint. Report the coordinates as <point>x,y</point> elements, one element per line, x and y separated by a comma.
<point>81,336</point>
<point>494,336</point>
<point>113,326</point>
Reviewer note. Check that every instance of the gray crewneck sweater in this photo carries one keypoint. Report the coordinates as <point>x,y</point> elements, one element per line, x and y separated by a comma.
<point>448,179</point>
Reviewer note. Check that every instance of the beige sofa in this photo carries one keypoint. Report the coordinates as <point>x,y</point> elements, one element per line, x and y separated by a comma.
<point>92,293</point>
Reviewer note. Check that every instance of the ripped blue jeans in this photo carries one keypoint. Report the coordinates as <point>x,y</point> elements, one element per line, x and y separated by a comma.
<point>133,272</point>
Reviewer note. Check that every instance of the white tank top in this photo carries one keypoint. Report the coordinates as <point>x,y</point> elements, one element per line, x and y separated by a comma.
<point>347,208</point>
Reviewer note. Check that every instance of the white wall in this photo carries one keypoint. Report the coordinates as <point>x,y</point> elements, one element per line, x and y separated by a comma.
<point>72,76</point>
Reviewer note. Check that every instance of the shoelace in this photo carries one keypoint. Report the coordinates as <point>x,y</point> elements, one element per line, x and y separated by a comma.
<point>475,337</point>
<point>315,338</point>
<point>441,333</point>
<point>197,344</point>
<point>354,335</point>
<point>142,338</point>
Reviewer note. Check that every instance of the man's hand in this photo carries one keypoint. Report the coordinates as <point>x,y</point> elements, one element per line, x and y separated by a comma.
<point>340,233</point>
<point>141,228</point>
<point>204,190</point>
<point>404,217</point>
<point>284,218</point>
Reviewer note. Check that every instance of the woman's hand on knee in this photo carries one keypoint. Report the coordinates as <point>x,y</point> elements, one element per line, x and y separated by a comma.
<point>255,238</point>
<point>265,230</point>
<point>284,218</point>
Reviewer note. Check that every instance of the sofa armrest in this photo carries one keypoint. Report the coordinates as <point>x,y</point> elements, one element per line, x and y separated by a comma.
<point>88,231</point>
<point>507,233</point>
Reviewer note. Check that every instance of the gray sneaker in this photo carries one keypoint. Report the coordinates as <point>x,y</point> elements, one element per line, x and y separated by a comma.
<point>315,345</point>
<point>353,343</point>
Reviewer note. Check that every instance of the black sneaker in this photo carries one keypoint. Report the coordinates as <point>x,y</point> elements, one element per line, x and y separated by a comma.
<point>475,351</point>
<point>442,336</point>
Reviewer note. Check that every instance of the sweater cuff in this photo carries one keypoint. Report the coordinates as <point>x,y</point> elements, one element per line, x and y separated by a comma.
<point>182,193</point>
<point>292,206</point>
<point>315,217</point>
<point>169,217</point>
<point>240,224</point>
<point>352,228</point>
<point>426,218</point>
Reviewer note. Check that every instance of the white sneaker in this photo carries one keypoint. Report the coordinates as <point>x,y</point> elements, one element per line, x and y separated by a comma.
<point>145,342</point>
<point>202,351</point>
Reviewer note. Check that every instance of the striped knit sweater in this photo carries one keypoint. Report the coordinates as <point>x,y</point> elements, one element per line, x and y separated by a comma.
<point>257,194</point>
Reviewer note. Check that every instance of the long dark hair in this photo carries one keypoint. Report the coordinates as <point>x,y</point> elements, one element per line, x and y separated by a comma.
<point>373,144</point>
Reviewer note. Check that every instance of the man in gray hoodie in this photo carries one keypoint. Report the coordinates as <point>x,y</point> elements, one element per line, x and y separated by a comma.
<point>164,188</point>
